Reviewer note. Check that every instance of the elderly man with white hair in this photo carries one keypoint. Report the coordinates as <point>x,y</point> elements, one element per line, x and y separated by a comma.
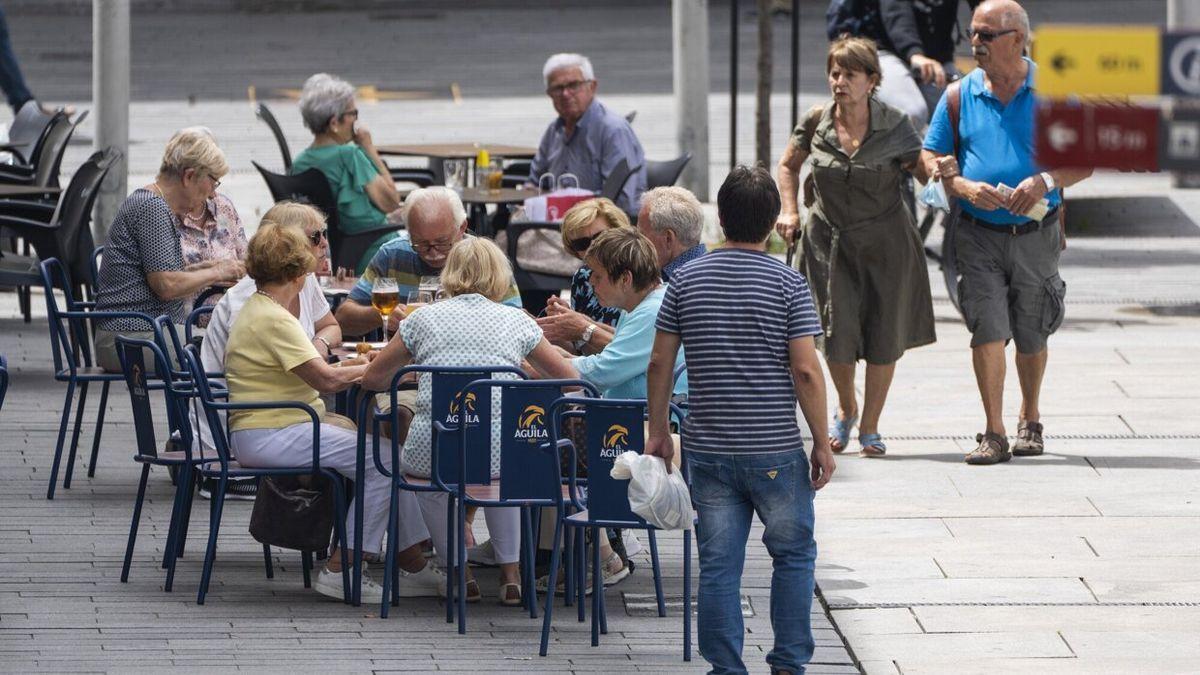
<point>436,221</point>
<point>586,139</point>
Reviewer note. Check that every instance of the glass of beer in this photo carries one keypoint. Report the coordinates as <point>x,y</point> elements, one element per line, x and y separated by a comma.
<point>416,300</point>
<point>385,295</point>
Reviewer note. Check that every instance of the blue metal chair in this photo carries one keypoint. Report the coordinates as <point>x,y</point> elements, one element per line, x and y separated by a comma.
<point>70,343</point>
<point>3,379</point>
<point>224,466</point>
<point>614,426</point>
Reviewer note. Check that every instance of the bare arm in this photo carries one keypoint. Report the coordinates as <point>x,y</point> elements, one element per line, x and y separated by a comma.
<point>945,167</point>
<point>328,379</point>
<point>382,189</point>
<point>385,366</point>
<point>180,284</point>
<point>563,325</point>
<point>327,329</point>
<point>358,319</point>
<point>788,176</point>
<point>660,380</point>
<point>809,383</point>
<point>550,364</point>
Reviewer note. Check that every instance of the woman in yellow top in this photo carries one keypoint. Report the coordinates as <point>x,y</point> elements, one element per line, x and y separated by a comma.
<point>269,357</point>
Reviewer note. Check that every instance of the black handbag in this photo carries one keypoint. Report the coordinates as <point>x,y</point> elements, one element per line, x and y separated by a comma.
<point>293,512</point>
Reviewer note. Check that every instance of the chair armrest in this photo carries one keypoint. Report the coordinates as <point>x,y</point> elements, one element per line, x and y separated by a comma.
<point>24,208</point>
<point>284,405</point>
<point>94,314</point>
<point>16,173</point>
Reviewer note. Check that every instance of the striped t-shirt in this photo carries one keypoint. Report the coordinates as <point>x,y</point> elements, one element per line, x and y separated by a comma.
<point>735,311</point>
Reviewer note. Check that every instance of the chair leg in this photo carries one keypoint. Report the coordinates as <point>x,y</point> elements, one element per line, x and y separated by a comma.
<point>581,563</point>
<point>218,501</point>
<point>83,390</point>
<point>462,567</point>
<point>306,567</point>
<point>339,524</point>
<point>267,561</point>
<point>553,579</point>
<point>529,581</point>
<point>99,429</point>
<point>658,590</point>
<point>596,587</point>
<point>568,567</point>
<point>62,437</point>
<point>133,526</point>
<point>687,595</point>
<point>451,557</point>
<point>188,474</point>
<point>180,514</point>
<point>389,559</point>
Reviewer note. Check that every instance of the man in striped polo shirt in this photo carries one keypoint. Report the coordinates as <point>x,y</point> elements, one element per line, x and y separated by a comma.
<point>746,322</point>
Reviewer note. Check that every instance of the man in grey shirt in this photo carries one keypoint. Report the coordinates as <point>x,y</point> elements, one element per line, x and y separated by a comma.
<point>587,139</point>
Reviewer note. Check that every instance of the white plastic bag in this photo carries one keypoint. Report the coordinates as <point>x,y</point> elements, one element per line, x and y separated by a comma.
<point>661,498</point>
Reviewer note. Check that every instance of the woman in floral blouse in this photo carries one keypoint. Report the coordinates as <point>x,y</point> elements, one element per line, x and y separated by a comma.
<point>211,233</point>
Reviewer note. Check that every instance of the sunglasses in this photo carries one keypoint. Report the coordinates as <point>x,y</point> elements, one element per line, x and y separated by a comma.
<point>569,86</point>
<point>317,236</point>
<point>987,35</point>
<point>581,244</point>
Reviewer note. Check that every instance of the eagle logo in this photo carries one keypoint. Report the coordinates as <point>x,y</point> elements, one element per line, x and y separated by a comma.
<point>468,401</point>
<point>615,436</point>
<point>533,414</point>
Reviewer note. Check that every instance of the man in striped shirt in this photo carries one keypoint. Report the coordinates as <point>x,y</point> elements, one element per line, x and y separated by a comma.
<point>747,323</point>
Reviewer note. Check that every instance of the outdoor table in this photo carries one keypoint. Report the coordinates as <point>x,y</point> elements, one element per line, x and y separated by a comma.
<point>27,190</point>
<point>476,200</point>
<point>457,150</point>
<point>336,291</point>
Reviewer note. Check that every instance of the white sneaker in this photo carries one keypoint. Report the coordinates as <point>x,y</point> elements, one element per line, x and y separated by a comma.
<point>483,554</point>
<point>632,545</point>
<point>429,582</point>
<point>330,584</point>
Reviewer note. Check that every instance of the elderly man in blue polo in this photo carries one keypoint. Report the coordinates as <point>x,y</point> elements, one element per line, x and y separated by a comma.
<point>981,142</point>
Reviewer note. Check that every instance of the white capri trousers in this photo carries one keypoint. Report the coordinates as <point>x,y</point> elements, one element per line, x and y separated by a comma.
<point>292,447</point>
<point>503,523</point>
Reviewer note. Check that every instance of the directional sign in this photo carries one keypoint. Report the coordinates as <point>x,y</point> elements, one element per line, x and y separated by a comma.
<point>1180,141</point>
<point>1098,60</point>
<point>1181,64</point>
<point>1097,136</point>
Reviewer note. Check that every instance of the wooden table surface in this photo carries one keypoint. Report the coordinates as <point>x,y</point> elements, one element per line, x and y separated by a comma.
<point>458,150</point>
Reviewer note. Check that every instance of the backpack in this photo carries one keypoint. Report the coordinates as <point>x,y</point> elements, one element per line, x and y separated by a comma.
<point>854,17</point>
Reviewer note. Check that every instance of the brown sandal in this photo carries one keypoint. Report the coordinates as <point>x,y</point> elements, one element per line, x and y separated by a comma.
<point>1029,440</point>
<point>992,449</point>
<point>510,595</point>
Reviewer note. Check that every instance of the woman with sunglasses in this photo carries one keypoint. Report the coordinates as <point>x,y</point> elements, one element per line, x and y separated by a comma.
<point>584,326</point>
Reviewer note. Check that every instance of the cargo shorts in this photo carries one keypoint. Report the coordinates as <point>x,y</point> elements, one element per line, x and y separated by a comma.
<point>1010,288</point>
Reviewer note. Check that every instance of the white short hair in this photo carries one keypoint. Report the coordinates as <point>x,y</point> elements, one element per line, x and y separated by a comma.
<point>424,199</point>
<point>323,98</point>
<point>560,61</point>
<point>1015,16</point>
<point>677,209</point>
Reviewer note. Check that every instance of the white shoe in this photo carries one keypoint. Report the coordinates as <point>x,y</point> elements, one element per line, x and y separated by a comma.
<point>483,554</point>
<point>330,584</point>
<point>632,545</point>
<point>429,582</point>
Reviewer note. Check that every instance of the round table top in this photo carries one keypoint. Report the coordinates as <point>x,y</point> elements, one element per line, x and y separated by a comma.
<point>457,150</point>
<point>476,195</point>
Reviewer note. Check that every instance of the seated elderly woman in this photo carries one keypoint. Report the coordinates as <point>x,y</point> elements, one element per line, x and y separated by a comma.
<point>470,328</point>
<point>269,357</point>
<point>585,326</point>
<point>144,268</point>
<point>343,150</point>
<point>211,233</point>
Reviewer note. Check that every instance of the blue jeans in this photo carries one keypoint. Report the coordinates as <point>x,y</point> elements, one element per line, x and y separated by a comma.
<point>10,73</point>
<point>727,491</point>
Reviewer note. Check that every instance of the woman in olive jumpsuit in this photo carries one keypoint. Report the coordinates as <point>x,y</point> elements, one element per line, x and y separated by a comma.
<point>859,247</point>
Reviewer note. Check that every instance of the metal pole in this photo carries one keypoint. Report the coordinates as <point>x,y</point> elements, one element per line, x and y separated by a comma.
<point>110,103</point>
<point>733,81</point>
<point>689,22</point>
<point>1183,14</point>
<point>795,63</point>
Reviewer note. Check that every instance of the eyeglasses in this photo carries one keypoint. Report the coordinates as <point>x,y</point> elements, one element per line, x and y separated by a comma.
<point>573,87</point>
<point>441,246</point>
<point>317,236</point>
<point>581,244</point>
<point>216,183</point>
<point>351,113</point>
<point>987,35</point>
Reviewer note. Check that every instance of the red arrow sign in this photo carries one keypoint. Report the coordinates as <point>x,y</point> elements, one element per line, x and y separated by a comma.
<point>1095,135</point>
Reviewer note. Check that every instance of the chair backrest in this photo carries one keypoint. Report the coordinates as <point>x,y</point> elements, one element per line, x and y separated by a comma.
<point>264,113</point>
<point>131,352</point>
<point>662,174</point>
<point>97,256</point>
<point>3,379</point>
<point>617,179</point>
<point>529,465</point>
<point>48,163</point>
<point>73,216</point>
<point>203,391</point>
<point>310,187</point>
<point>614,426</point>
<point>68,337</point>
<point>193,321</point>
<point>28,127</point>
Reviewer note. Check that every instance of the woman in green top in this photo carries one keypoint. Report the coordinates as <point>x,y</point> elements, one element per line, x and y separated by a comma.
<point>859,248</point>
<point>343,150</point>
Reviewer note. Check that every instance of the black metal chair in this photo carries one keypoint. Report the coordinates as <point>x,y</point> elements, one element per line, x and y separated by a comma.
<point>616,180</point>
<point>3,379</point>
<point>26,130</point>
<point>264,113</point>
<point>312,187</point>
<point>662,174</point>
<point>46,163</point>
<point>61,231</point>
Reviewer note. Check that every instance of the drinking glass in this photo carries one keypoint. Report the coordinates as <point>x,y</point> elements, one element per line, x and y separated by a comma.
<point>416,300</point>
<point>456,173</point>
<point>385,295</point>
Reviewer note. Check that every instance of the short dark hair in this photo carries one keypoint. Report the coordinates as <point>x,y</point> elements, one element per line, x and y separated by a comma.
<point>748,204</point>
<point>621,250</point>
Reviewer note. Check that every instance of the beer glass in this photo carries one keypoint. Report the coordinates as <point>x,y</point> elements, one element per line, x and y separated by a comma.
<point>385,295</point>
<point>416,300</point>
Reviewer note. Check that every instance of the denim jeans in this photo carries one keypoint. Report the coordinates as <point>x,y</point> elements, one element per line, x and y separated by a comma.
<point>727,490</point>
<point>10,73</point>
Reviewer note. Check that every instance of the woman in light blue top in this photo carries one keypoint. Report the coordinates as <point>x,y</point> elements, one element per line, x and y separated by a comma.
<point>625,274</point>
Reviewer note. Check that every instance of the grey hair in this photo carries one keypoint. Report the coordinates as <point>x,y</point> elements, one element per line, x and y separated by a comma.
<point>425,199</point>
<point>560,61</point>
<point>323,98</point>
<point>676,209</point>
<point>1015,16</point>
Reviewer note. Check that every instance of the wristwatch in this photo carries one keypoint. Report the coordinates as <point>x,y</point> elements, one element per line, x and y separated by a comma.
<point>1048,180</point>
<point>586,337</point>
<point>328,347</point>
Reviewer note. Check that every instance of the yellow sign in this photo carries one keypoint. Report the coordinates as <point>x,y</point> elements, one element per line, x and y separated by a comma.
<point>1097,60</point>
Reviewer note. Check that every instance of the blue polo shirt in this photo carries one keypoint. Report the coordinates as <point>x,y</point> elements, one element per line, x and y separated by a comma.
<point>997,141</point>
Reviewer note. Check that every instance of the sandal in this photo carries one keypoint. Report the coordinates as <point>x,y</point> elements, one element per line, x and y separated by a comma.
<point>510,595</point>
<point>871,445</point>
<point>473,593</point>
<point>840,438</point>
<point>1029,440</point>
<point>993,449</point>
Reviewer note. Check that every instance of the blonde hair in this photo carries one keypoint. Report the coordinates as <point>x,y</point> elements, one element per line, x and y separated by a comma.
<point>620,251</point>
<point>193,148</point>
<point>476,265</point>
<point>583,214</point>
<point>293,214</point>
<point>278,254</point>
<point>857,54</point>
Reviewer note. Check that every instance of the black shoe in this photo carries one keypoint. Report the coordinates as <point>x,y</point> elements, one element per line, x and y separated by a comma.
<point>241,489</point>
